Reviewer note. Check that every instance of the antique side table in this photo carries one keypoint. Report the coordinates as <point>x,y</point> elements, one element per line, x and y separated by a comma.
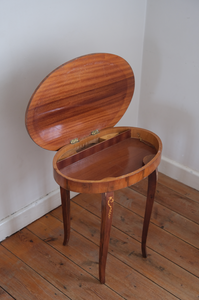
<point>73,111</point>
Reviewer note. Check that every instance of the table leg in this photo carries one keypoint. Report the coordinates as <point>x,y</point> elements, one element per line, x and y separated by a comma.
<point>106,221</point>
<point>65,199</point>
<point>152,180</point>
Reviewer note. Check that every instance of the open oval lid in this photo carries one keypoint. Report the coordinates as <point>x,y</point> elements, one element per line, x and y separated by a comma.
<point>88,93</point>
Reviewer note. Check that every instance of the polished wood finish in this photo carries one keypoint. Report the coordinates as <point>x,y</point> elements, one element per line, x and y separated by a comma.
<point>92,148</point>
<point>112,168</point>
<point>106,217</point>
<point>65,199</point>
<point>152,181</point>
<point>73,111</point>
<point>115,161</point>
<point>30,261</point>
<point>88,93</point>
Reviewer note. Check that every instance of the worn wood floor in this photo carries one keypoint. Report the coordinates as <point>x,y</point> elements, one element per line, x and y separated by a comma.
<point>35,265</point>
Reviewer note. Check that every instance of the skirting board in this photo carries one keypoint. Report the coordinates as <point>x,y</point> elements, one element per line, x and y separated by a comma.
<point>179,172</point>
<point>40,207</point>
<point>30,213</point>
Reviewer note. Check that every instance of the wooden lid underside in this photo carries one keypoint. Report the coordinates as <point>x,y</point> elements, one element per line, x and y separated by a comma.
<point>89,93</point>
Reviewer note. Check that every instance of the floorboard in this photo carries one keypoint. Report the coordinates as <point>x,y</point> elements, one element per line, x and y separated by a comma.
<point>4,295</point>
<point>34,264</point>
<point>21,281</point>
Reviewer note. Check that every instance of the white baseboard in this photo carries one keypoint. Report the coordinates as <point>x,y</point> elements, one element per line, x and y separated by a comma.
<point>30,213</point>
<point>179,172</point>
<point>37,209</point>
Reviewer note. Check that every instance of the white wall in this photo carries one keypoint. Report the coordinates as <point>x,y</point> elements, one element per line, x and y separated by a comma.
<point>35,37</point>
<point>169,100</point>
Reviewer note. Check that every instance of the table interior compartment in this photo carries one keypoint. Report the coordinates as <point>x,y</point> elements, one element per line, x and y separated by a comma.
<point>94,146</point>
<point>119,159</point>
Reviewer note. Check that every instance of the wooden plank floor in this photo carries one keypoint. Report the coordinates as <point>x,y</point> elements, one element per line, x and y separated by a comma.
<point>35,265</point>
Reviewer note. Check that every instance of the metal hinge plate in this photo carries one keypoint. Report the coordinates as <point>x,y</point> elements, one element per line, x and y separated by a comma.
<point>74,141</point>
<point>95,132</point>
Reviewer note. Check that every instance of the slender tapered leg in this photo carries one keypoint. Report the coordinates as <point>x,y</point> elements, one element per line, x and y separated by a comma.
<point>106,221</point>
<point>152,180</point>
<point>65,199</point>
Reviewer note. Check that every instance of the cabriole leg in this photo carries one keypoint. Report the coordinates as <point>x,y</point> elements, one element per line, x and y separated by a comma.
<point>65,199</point>
<point>106,221</point>
<point>152,180</point>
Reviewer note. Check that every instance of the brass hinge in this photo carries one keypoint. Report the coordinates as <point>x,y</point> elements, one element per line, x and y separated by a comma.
<point>74,141</point>
<point>95,132</point>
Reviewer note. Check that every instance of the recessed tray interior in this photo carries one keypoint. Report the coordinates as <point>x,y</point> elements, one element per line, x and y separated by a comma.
<point>114,157</point>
